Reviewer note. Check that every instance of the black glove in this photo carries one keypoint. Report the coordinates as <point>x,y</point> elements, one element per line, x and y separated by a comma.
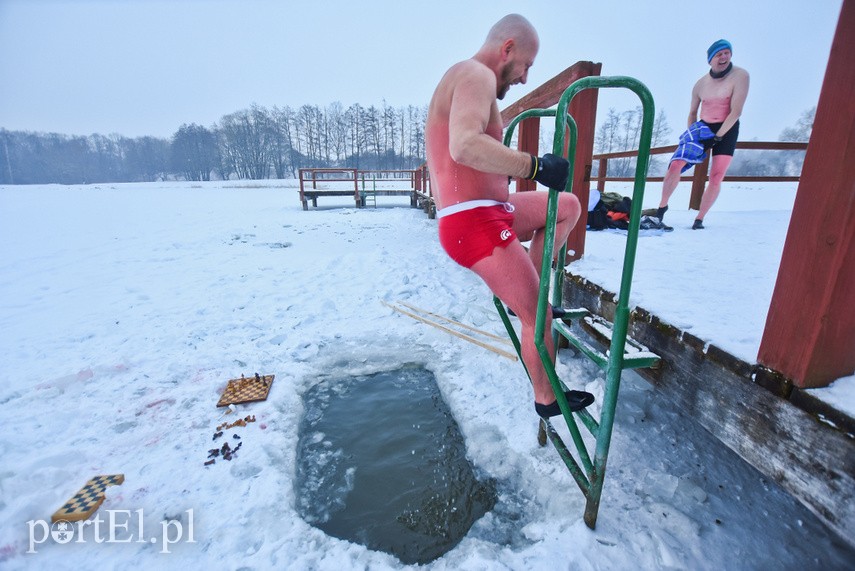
<point>549,170</point>
<point>710,143</point>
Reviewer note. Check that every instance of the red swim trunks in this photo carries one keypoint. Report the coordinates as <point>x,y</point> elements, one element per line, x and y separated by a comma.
<point>470,234</point>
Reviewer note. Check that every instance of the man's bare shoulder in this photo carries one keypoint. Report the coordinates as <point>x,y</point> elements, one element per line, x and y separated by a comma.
<point>470,69</point>
<point>739,73</point>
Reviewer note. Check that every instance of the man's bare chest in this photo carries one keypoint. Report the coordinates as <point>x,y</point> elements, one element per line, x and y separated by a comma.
<point>494,126</point>
<point>716,88</point>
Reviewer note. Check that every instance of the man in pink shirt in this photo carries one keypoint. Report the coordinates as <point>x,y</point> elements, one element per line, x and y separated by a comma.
<point>480,223</point>
<point>720,94</point>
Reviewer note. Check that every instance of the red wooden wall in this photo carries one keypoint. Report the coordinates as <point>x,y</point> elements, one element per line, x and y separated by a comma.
<point>810,328</point>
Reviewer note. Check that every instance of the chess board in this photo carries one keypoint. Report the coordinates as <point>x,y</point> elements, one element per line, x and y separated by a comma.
<point>88,499</point>
<point>246,389</point>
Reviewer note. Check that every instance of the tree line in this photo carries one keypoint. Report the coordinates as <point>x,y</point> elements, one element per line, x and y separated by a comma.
<point>261,143</point>
<point>255,143</point>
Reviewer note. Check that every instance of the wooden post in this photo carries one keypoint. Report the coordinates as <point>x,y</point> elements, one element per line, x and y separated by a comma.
<point>602,173</point>
<point>356,196</point>
<point>584,110</point>
<point>528,141</point>
<point>699,180</point>
<point>810,328</point>
<point>303,200</point>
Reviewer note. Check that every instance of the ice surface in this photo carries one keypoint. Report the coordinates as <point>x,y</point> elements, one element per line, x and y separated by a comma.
<point>124,309</point>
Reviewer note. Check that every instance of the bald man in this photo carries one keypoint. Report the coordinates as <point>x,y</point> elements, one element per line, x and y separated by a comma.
<point>480,223</point>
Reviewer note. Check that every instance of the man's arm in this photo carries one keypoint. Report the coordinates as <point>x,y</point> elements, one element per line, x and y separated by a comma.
<point>737,102</point>
<point>469,115</point>
<point>695,104</point>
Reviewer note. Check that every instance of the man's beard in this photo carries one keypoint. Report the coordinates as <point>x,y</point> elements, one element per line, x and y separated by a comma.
<point>504,83</point>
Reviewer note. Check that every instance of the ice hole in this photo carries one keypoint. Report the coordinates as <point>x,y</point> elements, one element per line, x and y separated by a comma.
<point>381,462</point>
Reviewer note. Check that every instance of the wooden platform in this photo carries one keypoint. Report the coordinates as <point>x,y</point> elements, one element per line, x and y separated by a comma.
<point>790,436</point>
<point>358,197</point>
<point>362,185</point>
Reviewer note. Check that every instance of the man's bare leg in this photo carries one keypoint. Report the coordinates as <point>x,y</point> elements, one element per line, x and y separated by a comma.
<point>511,276</point>
<point>530,220</point>
<point>718,169</point>
<point>669,185</point>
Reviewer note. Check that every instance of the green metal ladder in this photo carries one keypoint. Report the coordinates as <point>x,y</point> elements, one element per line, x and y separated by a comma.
<point>591,474</point>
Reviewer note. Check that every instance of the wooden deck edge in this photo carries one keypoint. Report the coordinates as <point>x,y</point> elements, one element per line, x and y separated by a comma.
<point>791,437</point>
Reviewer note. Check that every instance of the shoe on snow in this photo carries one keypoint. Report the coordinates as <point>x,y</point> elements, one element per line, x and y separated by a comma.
<point>576,399</point>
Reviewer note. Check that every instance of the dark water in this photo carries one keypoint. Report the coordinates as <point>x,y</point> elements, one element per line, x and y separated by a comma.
<point>382,462</point>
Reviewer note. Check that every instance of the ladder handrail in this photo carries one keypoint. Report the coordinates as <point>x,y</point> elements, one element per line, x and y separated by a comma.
<point>564,124</point>
<point>621,322</point>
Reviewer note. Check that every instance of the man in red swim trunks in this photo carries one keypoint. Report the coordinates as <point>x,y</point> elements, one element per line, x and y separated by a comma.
<point>480,222</point>
<point>720,94</point>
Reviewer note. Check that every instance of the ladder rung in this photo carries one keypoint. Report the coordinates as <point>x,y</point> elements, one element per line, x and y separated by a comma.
<point>575,313</point>
<point>604,328</point>
<point>635,360</point>
<point>640,360</point>
<point>596,356</point>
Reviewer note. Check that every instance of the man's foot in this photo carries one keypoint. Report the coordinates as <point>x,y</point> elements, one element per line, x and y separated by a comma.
<point>660,212</point>
<point>653,223</point>
<point>698,225</point>
<point>576,399</point>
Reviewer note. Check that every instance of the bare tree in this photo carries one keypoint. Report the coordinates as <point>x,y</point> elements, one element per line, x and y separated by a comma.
<point>6,174</point>
<point>386,156</point>
<point>308,134</point>
<point>355,116</point>
<point>282,150</point>
<point>803,128</point>
<point>373,134</point>
<point>416,118</point>
<point>194,152</point>
<point>338,130</point>
<point>622,132</point>
<point>146,158</point>
<point>246,141</point>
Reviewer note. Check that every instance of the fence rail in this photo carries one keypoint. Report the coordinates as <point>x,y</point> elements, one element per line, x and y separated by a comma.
<point>700,176</point>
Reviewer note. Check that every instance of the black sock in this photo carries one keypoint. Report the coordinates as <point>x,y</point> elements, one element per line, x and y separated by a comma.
<point>660,212</point>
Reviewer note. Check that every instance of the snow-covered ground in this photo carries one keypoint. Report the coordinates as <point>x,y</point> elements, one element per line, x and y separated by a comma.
<point>124,309</point>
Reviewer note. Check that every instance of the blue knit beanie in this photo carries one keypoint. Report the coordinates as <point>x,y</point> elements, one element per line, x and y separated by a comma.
<point>717,47</point>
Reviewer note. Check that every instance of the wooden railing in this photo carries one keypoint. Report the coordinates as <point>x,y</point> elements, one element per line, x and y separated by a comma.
<point>700,177</point>
<point>359,183</point>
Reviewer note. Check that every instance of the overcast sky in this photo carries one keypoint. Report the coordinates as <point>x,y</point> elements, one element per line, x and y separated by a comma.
<point>144,67</point>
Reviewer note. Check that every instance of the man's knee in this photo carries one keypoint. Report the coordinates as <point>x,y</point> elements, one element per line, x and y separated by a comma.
<point>719,166</point>
<point>527,315</point>
<point>569,206</point>
<point>717,174</point>
<point>676,167</point>
<point>716,179</point>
